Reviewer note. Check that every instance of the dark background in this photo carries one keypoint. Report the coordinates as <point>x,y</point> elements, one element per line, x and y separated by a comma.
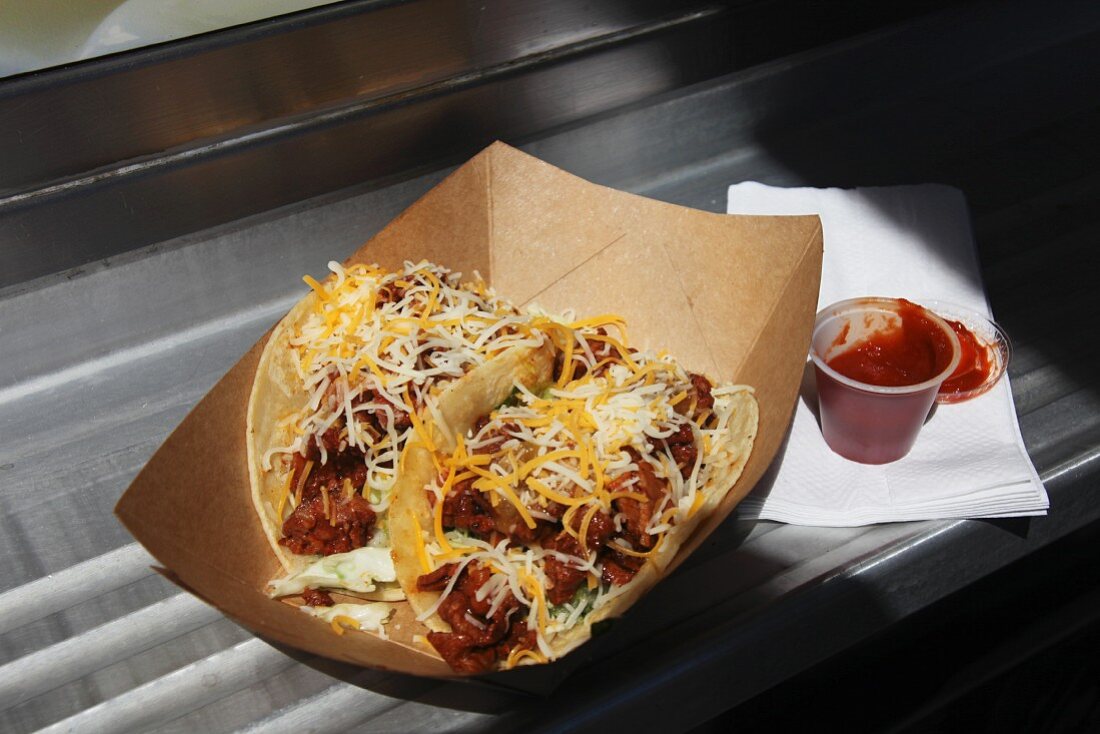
<point>1018,651</point>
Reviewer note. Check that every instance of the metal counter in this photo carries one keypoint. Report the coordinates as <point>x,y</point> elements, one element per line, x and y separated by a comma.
<point>98,366</point>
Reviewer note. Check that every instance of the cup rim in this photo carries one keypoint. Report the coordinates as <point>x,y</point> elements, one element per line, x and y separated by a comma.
<point>883,303</point>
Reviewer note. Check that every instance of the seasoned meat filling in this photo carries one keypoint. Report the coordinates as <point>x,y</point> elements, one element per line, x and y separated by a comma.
<point>329,519</point>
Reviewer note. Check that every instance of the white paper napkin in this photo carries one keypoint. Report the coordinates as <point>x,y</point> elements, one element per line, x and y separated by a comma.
<point>913,242</point>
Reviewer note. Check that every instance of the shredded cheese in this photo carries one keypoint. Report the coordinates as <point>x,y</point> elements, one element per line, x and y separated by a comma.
<point>341,621</point>
<point>421,551</point>
<point>302,482</point>
<point>285,496</point>
<point>325,504</point>
<point>376,345</point>
<point>580,446</point>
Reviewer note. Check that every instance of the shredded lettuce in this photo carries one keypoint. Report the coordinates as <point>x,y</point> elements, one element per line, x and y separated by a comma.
<point>354,571</point>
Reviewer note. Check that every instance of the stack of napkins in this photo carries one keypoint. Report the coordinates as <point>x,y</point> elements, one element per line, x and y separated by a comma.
<point>912,242</point>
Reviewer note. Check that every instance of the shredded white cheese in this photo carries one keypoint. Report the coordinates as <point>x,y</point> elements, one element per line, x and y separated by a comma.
<point>570,446</point>
<point>379,342</point>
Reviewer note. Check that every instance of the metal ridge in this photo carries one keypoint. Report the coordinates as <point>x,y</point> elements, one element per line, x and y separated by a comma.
<point>343,112</point>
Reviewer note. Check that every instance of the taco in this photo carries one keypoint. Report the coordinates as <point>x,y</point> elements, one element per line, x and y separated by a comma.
<point>560,508</point>
<point>347,378</point>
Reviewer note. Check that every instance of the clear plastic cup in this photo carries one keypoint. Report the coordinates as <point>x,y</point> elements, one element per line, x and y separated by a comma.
<point>989,336</point>
<point>862,422</point>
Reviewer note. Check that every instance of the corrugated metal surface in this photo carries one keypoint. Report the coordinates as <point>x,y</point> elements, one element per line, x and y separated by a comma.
<point>105,157</point>
<point>181,137</point>
<point>96,370</point>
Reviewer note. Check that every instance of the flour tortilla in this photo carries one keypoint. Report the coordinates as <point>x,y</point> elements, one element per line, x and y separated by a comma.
<point>411,514</point>
<point>277,392</point>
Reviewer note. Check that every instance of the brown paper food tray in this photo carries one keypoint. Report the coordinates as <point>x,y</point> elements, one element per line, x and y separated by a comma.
<point>730,296</point>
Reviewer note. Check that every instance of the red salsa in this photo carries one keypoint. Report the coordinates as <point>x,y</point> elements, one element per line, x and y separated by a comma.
<point>915,351</point>
<point>975,364</point>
